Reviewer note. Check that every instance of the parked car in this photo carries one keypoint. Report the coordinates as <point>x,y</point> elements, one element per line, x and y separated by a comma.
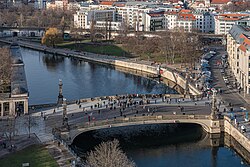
<point>212,52</point>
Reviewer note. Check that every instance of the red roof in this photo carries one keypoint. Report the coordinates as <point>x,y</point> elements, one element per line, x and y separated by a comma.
<point>185,11</point>
<point>243,48</point>
<point>245,43</point>
<point>220,1</point>
<point>108,3</point>
<point>119,4</point>
<point>188,17</point>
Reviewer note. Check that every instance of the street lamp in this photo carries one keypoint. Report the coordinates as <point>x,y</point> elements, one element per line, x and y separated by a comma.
<point>214,108</point>
<point>60,96</point>
<point>65,118</point>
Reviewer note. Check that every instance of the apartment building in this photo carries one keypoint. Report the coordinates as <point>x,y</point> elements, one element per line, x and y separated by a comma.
<point>204,21</point>
<point>186,20</point>
<point>224,22</point>
<point>154,21</point>
<point>83,18</point>
<point>238,48</point>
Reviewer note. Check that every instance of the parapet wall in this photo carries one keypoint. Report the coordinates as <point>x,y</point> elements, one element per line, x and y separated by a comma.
<point>167,73</point>
<point>240,142</point>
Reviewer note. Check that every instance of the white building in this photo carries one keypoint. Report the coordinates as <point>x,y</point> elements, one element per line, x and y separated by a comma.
<point>224,22</point>
<point>204,22</point>
<point>238,48</point>
<point>83,18</point>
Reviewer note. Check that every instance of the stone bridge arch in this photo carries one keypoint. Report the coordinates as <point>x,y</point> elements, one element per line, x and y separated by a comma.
<point>210,126</point>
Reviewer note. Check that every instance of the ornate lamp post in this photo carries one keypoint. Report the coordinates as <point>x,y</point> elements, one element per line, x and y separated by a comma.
<point>60,96</point>
<point>214,108</point>
<point>65,118</point>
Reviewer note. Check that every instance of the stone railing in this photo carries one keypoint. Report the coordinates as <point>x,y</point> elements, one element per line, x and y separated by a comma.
<point>68,133</point>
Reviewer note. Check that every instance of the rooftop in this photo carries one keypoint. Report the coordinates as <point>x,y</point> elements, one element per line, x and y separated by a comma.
<point>18,78</point>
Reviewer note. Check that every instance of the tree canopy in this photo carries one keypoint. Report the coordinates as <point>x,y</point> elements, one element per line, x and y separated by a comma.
<point>108,154</point>
<point>51,37</point>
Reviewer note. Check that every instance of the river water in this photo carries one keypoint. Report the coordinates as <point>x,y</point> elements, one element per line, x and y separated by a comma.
<point>164,145</point>
<point>80,79</point>
<point>83,80</point>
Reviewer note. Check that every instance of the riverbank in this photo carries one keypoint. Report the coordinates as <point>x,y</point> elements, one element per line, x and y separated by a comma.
<point>186,84</point>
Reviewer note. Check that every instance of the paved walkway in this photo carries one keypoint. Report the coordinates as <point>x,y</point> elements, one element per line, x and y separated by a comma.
<point>60,153</point>
<point>20,142</point>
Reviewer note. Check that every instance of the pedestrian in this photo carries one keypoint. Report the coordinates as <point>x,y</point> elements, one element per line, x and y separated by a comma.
<point>89,118</point>
<point>54,111</point>
<point>58,143</point>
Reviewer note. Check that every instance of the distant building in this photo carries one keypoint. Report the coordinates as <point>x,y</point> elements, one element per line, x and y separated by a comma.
<point>219,3</point>
<point>83,18</point>
<point>204,22</point>
<point>238,48</point>
<point>224,22</point>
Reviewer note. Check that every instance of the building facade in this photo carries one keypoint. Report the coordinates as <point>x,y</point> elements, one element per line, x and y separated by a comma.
<point>224,22</point>
<point>238,48</point>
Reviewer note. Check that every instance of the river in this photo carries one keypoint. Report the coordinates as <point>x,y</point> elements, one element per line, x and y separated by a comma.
<point>80,79</point>
<point>164,145</point>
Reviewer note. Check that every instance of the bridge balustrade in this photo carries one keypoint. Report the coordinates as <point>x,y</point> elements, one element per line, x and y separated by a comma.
<point>114,121</point>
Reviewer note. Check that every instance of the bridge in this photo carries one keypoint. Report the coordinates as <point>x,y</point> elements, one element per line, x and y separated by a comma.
<point>69,133</point>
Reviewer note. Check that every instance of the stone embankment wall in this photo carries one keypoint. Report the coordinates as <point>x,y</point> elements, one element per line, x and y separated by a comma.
<point>167,73</point>
<point>236,140</point>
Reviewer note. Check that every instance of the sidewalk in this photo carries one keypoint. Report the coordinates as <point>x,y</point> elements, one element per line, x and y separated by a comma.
<point>21,142</point>
<point>62,156</point>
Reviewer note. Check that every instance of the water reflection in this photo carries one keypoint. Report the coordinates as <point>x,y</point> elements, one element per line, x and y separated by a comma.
<point>51,61</point>
<point>164,145</point>
<point>80,79</point>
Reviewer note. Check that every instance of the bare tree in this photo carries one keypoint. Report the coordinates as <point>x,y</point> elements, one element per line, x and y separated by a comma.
<point>5,69</point>
<point>108,154</point>
<point>31,122</point>
<point>10,131</point>
<point>92,30</point>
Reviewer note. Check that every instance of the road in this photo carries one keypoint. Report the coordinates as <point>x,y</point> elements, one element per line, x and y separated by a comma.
<point>229,95</point>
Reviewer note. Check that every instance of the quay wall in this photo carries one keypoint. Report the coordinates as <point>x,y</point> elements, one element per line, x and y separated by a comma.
<point>237,140</point>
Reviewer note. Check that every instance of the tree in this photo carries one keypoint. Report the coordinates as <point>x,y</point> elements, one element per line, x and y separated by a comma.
<point>92,29</point>
<point>31,122</point>
<point>10,130</point>
<point>5,69</point>
<point>51,37</point>
<point>108,154</point>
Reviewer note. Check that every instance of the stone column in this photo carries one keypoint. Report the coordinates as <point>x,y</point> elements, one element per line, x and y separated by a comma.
<point>214,108</point>
<point>25,106</point>
<point>186,91</point>
<point>60,96</point>
<point>64,111</point>
<point>1,109</point>
<point>11,108</point>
